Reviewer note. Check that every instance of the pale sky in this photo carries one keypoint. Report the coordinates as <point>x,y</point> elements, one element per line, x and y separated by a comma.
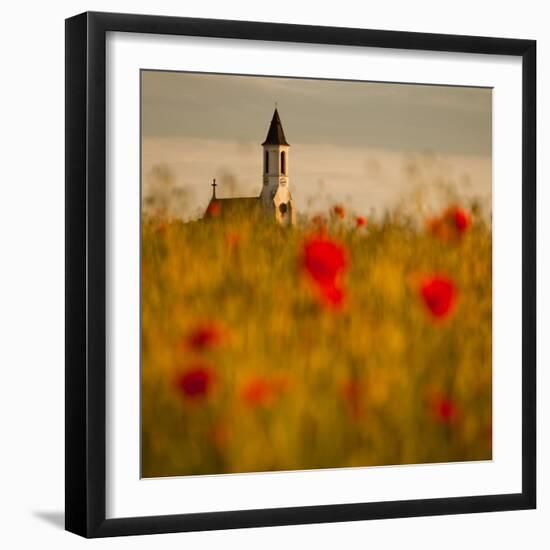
<point>368,145</point>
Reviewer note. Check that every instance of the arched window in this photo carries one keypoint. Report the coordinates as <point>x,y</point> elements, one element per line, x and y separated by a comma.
<point>283,208</point>
<point>266,163</point>
<point>283,162</point>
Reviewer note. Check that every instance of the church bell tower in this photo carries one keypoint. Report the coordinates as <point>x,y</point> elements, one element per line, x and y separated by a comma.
<point>275,196</point>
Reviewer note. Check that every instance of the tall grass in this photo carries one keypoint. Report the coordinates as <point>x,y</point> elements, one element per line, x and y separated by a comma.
<point>290,383</point>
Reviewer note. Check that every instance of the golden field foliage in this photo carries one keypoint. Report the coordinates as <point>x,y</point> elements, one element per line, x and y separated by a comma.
<point>294,384</point>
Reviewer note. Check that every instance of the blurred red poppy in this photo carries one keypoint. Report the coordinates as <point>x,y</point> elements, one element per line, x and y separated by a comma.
<point>352,393</point>
<point>320,224</point>
<point>444,409</point>
<point>332,296</point>
<point>261,391</point>
<point>219,435</point>
<point>451,224</point>
<point>360,221</point>
<point>204,336</point>
<point>325,262</point>
<point>256,392</point>
<point>461,219</point>
<point>439,295</point>
<point>195,381</point>
<point>339,211</point>
<point>232,239</point>
<point>214,209</point>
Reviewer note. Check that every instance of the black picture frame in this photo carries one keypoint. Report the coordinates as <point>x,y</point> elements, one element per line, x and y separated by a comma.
<point>86,274</point>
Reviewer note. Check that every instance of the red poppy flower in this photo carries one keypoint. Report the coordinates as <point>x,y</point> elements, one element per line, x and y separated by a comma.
<point>208,335</point>
<point>438,228</point>
<point>461,219</point>
<point>452,224</point>
<point>439,295</point>
<point>360,221</point>
<point>232,239</point>
<point>196,381</point>
<point>213,209</point>
<point>352,393</point>
<point>324,260</point>
<point>320,224</point>
<point>219,435</point>
<point>332,296</point>
<point>444,409</point>
<point>339,211</point>
<point>256,392</point>
<point>260,391</point>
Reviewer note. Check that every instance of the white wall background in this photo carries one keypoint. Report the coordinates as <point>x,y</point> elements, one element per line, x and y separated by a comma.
<point>32,273</point>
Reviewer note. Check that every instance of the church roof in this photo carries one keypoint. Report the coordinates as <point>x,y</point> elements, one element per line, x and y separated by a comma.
<point>232,207</point>
<point>275,134</point>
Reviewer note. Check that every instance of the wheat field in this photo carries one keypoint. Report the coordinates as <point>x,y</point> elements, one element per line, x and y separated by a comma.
<point>340,342</point>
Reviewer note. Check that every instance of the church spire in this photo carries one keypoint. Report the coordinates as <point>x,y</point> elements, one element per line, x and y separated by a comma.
<point>275,196</point>
<point>214,185</point>
<point>275,135</point>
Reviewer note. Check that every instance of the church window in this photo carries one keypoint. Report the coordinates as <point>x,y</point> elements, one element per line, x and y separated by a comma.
<point>283,208</point>
<point>266,162</point>
<point>283,162</point>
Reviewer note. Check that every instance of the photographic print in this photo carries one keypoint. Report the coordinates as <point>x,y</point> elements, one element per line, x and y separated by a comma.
<point>316,274</point>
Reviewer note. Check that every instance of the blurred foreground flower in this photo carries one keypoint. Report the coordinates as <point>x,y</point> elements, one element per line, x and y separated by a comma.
<point>320,224</point>
<point>451,224</point>
<point>443,409</point>
<point>360,221</point>
<point>219,435</point>
<point>196,381</point>
<point>325,262</point>
<point>214,209</point>
<point>439,295</point>
<point>261,391</point>
<point>204,336</point>
<point>232,239</point>
<point>332,296</point>
<point>352,393</point>
<point>338,211</point>
<point>461,218</point>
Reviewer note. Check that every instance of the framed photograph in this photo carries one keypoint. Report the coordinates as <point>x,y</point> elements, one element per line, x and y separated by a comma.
<point>300,274</point>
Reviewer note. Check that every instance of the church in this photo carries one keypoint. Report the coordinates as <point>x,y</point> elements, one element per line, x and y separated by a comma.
<point>275,201</point>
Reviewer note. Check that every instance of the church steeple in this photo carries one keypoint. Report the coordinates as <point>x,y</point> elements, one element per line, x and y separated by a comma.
<point>275,195</point>
<point>275,134</point>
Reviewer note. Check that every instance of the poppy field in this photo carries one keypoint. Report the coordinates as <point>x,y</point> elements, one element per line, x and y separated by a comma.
<point>343,341</point>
